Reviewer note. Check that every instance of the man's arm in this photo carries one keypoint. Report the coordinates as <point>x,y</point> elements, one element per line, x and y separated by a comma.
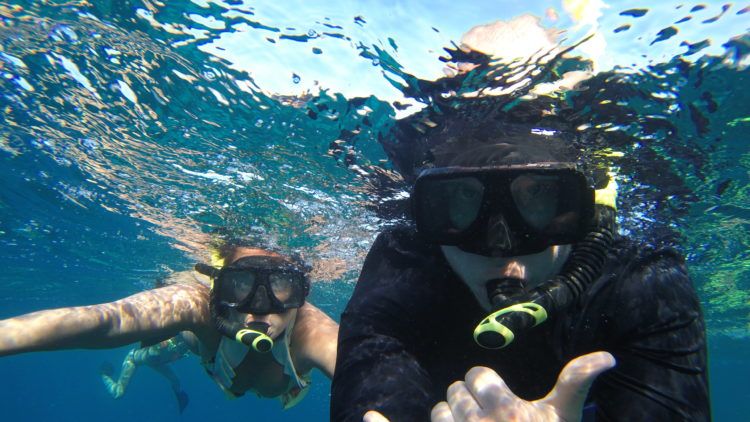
<point>383,329</point>
<point>660,346</point>
<point>161,312</point>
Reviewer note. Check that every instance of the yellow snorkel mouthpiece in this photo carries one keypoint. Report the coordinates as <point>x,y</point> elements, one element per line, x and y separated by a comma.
<point>260,342</point>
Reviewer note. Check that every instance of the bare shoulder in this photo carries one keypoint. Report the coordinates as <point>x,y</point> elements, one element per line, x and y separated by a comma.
<point>189,291</point>
<point>313,323</point>
<point>186,277</point>
<point>314,340</point>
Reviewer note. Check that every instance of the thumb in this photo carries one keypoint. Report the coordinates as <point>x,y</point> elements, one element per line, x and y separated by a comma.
<point>374,416</point>
<point>572,387</point>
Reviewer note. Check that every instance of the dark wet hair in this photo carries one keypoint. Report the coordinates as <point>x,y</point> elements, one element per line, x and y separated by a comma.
<point>484,145</point>
<point>465,141</point>
<point>507,151</point>
<point>479,144</point>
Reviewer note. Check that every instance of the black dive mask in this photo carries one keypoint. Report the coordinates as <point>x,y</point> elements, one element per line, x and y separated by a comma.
<point>503,210</point>
<point>258,285</point>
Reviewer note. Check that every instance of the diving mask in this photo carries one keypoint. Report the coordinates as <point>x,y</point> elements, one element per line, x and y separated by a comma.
<point>259,285</point>
<point>501,211</point>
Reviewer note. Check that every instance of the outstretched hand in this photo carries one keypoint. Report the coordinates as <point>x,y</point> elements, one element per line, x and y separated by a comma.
<point>484,396</point>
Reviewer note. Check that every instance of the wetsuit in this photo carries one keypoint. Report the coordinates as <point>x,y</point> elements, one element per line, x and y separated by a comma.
<point>406,335</point>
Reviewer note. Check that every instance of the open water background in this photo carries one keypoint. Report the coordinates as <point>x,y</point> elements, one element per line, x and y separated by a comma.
<point>132,130</point>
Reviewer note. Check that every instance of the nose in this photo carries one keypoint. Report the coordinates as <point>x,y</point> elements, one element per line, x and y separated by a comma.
<point>498,233</point>
<point>260,299</point>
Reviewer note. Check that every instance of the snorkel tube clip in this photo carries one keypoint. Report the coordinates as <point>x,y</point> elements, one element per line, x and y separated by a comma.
<point>493,334</point>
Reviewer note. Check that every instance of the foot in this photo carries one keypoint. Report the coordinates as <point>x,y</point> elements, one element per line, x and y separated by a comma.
<point>182,400</point>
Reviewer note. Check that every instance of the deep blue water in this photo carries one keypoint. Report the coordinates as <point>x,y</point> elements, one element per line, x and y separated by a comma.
<point>128,136</point>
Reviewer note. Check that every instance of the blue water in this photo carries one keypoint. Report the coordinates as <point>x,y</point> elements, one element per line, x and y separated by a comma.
<point>130,132</point>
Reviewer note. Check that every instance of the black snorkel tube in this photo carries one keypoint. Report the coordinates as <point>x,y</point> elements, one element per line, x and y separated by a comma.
<point>253,334</point>
<point>519,310</point>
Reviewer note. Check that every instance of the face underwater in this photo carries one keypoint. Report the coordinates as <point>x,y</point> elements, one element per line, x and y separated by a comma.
<point>255,298</point>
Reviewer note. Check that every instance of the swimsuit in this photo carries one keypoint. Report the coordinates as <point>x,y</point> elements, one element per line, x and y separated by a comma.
<point>231,354</point>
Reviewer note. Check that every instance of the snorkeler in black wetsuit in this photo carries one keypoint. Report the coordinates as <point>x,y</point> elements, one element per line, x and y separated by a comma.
<point>494,229</point>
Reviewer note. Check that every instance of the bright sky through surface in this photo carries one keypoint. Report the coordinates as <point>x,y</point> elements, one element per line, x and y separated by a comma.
<point>423,29</point>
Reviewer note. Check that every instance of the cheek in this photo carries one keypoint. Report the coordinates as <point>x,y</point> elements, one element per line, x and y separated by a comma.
<point>279,322</point>
<point>235,316</point>
<point>275,321</point>
<point>543,266</point>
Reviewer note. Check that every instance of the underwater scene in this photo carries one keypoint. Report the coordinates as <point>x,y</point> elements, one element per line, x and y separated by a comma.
<point>133,133</point>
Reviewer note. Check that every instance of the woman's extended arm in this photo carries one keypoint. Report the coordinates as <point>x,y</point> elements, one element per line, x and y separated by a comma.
<point>316,335</point>
<point>154,313</point>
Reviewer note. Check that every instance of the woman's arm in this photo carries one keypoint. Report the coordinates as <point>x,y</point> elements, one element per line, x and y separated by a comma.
<point>315,335</point>
<point>160,312</point>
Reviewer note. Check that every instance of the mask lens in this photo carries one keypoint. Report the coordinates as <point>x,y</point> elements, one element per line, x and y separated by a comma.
<point>450,206</point>
<point>552,205</point>
<point>237,285</point>
<point>284,286</point>
<point>536,197</point>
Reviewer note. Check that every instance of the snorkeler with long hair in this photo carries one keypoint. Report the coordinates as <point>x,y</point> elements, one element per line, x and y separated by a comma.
<point>246,316</point>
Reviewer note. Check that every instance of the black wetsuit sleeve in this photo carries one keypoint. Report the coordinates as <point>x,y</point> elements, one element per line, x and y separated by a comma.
<point>658,339</point>
<point>383,330</point>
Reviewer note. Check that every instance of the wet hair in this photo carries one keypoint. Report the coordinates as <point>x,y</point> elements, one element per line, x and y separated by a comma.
<point>227,250</point>
<point>478,143</point>
<point>225,245</point>
<point>488,145</point>
<point>508,151</point>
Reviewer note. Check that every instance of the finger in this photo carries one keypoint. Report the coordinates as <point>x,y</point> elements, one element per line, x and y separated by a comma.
<point>573,384</point>
<point>489,390</point>
<point>463,405</point>
<point>374,416</point>
<point>441,413</point>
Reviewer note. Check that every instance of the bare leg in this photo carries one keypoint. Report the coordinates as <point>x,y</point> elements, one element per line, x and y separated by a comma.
<point>117,388</point>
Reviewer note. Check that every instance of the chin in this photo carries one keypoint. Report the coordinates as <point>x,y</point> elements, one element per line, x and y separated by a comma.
<point>272,332</point>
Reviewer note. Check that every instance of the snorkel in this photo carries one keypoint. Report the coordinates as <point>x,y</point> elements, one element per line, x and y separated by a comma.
<point>519,311</point>
<point>253,335</point>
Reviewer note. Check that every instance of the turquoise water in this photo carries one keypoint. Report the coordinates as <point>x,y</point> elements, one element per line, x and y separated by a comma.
<point>132,130</point>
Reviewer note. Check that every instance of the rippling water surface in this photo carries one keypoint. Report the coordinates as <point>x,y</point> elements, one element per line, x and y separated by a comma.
<point>133,131</point>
